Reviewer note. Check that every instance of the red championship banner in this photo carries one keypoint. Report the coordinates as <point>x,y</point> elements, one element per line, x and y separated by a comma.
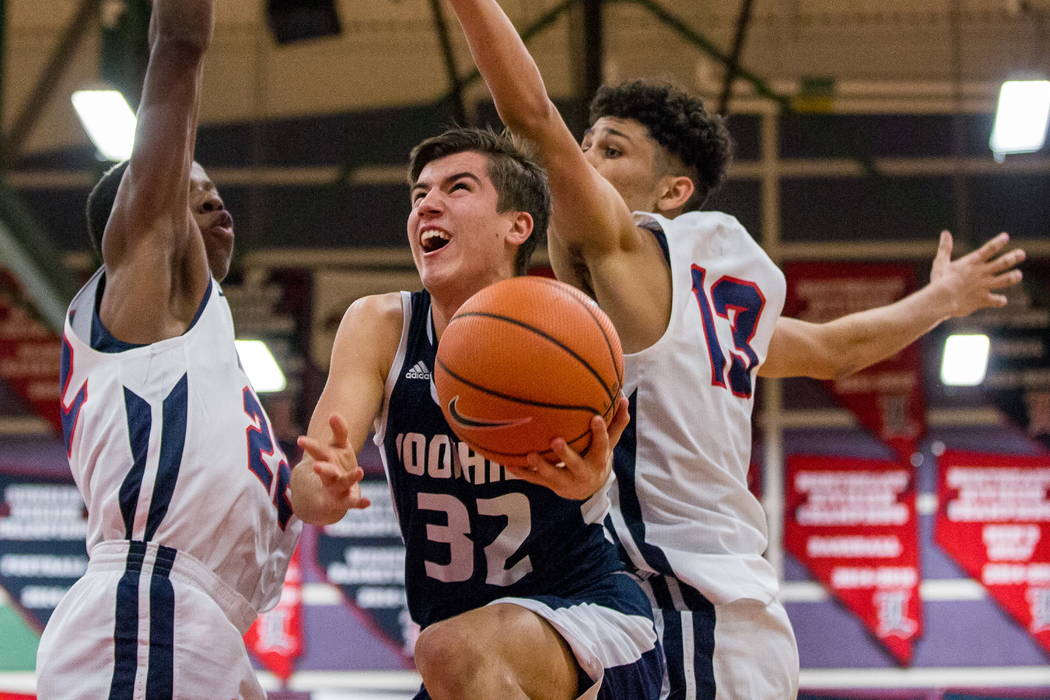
<point>29,354</point>
<point>852,523</point>
<point>276,636</point>
<point>887,398</point>
<point>993,518</point>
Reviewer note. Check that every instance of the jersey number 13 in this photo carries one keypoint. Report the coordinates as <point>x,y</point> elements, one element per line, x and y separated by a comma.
<point>740,303</point>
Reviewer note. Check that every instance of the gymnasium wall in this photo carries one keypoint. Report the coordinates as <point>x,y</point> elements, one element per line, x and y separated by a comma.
<point>320,205</point>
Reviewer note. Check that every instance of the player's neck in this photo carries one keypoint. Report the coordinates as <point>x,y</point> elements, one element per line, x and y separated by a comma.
<point>444,307</point>
<point>446,300</point>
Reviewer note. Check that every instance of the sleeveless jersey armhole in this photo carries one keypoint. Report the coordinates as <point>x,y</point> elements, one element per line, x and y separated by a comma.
<point>102,340</point>
<point>379,425</point>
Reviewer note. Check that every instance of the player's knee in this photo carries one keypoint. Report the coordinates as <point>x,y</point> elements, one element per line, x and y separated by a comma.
<point>447,654</point>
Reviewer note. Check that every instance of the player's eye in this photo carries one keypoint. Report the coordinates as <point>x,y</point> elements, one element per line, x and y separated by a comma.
<point>613,153</point>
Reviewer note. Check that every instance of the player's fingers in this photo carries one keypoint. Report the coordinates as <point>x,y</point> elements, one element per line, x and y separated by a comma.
<point>944,249</point>
<point>1006,279</point>
<point>529,474</point>
<point>599,448</point>
<point>359,503</point>
<point>340,431</point>
<point>992,247</point>
<point>619,420</point>
<point>1007,260</point>
<point>313,448</point>
<point>331,476</point>
<point>538,462</point>
<point>996,300</point>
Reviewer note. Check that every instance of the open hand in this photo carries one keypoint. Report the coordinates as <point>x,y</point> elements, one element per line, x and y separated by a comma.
<point>971,280</point>
<point>335,464</point>
<point>579,477</point>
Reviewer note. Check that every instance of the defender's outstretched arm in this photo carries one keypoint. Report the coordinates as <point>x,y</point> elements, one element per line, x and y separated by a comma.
<point>846,345</point>
<point>593,243</point>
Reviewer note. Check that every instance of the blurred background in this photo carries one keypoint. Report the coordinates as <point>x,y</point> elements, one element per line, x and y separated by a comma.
<point>909,508</point>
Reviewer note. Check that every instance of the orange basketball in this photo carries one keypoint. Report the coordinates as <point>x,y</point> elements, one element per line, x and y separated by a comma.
<point>524,361</point>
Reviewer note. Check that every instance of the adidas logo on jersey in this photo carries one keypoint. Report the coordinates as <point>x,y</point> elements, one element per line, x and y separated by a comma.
<point>418,371</point>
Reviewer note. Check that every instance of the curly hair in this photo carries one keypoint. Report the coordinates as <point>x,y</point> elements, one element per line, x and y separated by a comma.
<point>519,180</point>
<point>676,121</point>
<point>100,204</point>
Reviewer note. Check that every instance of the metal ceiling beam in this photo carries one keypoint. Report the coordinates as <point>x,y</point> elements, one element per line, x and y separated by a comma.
<point>76,29</point>
<point>124,50</point>
<point>587,57</point>
<point>742,23</point>
<point>855,151</point>
<point>459,106</point>
<point>545,20</point>
<point>29,254</point>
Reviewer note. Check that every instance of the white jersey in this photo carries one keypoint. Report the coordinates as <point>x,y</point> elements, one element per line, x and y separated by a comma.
<point>176,461</point>
<point>681,506</point>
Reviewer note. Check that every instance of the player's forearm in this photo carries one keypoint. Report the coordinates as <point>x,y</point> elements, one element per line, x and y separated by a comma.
<point>310,501</point>
<point>868,337</point>
<point>504,62</point>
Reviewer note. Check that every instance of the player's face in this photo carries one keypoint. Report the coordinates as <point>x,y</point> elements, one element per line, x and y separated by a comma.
<point>624,153</point>
<point>458,238</point>
<point>215,223</point>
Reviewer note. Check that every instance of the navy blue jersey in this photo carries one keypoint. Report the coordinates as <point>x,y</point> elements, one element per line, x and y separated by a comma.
<point>473,532</point>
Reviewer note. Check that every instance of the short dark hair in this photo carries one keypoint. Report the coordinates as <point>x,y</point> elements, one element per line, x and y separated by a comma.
<point>100,203</point>
<point>678,122</point>
<point>519,180</point>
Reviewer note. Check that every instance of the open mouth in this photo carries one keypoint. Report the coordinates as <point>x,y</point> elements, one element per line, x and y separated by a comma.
<point>433,239</point>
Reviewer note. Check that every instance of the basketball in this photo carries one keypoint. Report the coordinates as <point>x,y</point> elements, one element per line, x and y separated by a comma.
<point>524,361</point>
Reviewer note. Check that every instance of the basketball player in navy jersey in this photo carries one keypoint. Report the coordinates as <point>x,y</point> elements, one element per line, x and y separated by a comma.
<point>189,525</point>
<point>697,305</point>
<point>507,571</point>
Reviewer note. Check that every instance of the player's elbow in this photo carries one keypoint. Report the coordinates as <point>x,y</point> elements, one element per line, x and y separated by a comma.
<point>532,116</point>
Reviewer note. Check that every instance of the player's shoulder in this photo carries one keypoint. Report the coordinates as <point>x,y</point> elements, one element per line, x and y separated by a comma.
<point>374,312</point>
<point>377,316</point>
<point>711,222</point>
<point>715,231</point>
<point>376,306</point>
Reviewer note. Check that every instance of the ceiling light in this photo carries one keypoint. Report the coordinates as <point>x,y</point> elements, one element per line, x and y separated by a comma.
<point>1021,117</point>
<point>260,366</point>
<point>108,120</point>
<point>965,360</point>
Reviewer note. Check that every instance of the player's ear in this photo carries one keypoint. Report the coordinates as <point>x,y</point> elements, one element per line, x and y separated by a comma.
<point>677,190</point>
<point>521,228</point>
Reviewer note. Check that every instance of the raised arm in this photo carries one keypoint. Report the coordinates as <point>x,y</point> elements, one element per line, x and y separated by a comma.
<point>594,242</point>
<point>849,344</point>
<point>155,260</point>
<point>326,483</point>
<point>598,218</point>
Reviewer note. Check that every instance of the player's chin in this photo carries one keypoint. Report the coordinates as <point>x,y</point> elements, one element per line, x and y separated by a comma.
<point>435,277</point>
<point>219,264</point>
<point>220,253</point>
